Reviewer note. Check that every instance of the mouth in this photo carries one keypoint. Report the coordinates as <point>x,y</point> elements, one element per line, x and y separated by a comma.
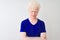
<point>33,16</point>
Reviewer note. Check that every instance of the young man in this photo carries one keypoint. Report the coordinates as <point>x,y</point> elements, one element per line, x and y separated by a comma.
<point>32,26</point>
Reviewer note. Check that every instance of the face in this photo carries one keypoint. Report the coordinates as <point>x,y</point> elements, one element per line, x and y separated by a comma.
<point>33,12</point>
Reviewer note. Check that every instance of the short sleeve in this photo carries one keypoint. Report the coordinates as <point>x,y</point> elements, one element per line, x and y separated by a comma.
<point>22,28</point>
<point>43,29</point>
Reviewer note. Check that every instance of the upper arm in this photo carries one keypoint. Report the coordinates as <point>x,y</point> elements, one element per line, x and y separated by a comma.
<point>43,31</point>
<point>22,27</point>
<point>23,30</point>
<point>23,34</point>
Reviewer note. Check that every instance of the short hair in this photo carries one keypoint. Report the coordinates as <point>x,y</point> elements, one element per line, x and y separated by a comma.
<point>33,3</point>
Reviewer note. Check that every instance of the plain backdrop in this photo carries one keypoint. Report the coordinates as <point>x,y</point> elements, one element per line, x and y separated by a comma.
<point>12,12</point>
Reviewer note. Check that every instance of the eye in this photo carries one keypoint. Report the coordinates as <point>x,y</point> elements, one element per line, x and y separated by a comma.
<point>33,11</point>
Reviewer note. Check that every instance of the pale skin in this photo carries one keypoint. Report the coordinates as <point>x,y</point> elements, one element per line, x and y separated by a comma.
<point>33,12</point>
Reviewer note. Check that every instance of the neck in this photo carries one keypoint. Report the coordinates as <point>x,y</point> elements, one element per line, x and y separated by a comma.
<point>33,18</point>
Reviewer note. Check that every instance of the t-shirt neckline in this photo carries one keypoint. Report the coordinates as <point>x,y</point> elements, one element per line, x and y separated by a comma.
<point>31,23</point>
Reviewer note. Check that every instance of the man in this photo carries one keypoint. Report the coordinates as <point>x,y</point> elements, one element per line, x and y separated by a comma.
<point>33,28</point>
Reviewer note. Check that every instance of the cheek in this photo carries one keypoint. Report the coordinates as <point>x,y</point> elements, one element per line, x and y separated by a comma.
<point>36,13</point>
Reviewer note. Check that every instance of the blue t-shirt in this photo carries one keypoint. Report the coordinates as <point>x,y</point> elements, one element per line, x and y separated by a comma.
<point>32,30</point>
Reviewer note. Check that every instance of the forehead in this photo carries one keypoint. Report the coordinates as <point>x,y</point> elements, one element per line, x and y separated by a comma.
<point>33,8</point>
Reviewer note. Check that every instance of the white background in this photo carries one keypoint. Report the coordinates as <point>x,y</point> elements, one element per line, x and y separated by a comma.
<point>12,12</point>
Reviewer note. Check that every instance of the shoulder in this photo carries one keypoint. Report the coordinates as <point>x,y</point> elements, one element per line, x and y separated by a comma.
<point>41,21</point>
<point>24,21</point>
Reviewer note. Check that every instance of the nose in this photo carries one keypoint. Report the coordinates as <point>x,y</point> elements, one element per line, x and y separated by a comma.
<point>33,13</point>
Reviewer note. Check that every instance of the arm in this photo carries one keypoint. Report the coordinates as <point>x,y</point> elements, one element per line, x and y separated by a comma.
<point>43,31</point>
<point>43,36</point>
<point>23,31</point>
<point>23,36</point>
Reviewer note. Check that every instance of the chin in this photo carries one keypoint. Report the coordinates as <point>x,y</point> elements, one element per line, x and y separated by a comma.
<point>34,17</point>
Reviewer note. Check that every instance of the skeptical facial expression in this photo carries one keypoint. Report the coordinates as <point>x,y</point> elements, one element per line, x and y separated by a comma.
<point>33,11</point>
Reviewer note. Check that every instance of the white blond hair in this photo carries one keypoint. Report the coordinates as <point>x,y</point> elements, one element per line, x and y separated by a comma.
<point>33,3</point>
